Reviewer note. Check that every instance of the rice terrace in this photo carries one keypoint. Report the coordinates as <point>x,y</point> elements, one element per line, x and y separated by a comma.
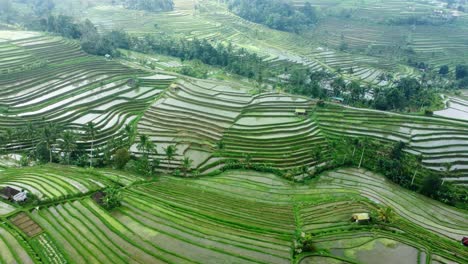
<point>234,131</point>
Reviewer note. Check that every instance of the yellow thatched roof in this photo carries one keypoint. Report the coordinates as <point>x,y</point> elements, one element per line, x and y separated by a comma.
<point>361,216</point>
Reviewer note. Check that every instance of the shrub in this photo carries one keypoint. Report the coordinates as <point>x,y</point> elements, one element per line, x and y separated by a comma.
<point>431,185</point>
<point>121,158</point>
<point>428,112</point>
<point>24,161</point>
<point>304,243</point>
<point>112,198</point>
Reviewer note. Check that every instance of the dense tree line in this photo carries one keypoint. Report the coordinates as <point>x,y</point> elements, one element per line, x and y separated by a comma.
<point>7,12</point>
<point>421,20</point>
<point>276,14</point>
<point>237,61</point>
<point>52,143</point>
<point>149,5</point>
<point>399,166</point>
<point>408,94</point>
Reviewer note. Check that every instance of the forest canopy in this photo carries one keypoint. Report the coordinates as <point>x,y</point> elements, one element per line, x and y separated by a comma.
<point>150,5</point>
<point>276,14</point>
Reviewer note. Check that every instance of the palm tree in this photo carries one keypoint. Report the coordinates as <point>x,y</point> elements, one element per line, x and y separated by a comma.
<point>364,143</point>
<point>146,145</point>
<point>30,132</point>
<point>386,214</point>
<point>141,146</point>
<point>186,165</point>
<point>68,144</point>
<point>3,142</point>
<point>170,153</point>
<point>129,133</point>
<point>91,131</point>
<point>417,166</point>
<point>50,134</point>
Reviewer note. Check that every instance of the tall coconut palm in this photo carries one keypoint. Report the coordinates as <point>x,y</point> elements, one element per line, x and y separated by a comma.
<point>68,144</point>
<point>141,146</point>
<point>30,132</point>
<point>146,145</point>
<point>365,142</point>
<point>417,165</point>
<point>50,133</point>
<point>91,131</point>
<point>186,165</point>
<point>129,134</point>
<point>170,153</point>
<point>3,142</point>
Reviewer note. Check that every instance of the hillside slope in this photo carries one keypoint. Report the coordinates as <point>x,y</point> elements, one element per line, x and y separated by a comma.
<point>197,116</point>
<point>47,79</point>
<point>239,216</point>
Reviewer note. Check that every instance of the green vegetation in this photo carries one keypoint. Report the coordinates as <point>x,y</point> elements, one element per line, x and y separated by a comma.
<point>244,216</point>
<point>149,5</point>
<point>228,131</point>
<point>276,14</point>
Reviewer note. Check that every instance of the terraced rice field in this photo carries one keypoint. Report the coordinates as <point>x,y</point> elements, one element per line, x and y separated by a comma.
<point>47,183</point>
<point>277,48</point>
<point>65,86</point>
<point>196,115</point>
<point>11,248</point>
<point>58,182</point>
<point>457,108</point>
<point>366,30</point>
<point>441,142</point>
<point>244,217</point>
<point>246,124</point>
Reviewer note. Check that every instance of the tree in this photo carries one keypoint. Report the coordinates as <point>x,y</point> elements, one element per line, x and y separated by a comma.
<point>431,185</point>
<point>186,165</point>
<point>68,144</point>
<point>386,214</point>
<point>170,153</point>
<point>397,150</point>
<point>3,142</point>
<point>121,158</point>
<point>220,145</point>
<point>444,70</point>
<point>50,134</point>
<point>357,92</point>
<point>91,131</point>
<point>129,134</point>
<point>141,146</point>
<point>417,165</point>
<point>338,86</point>
<point>150,5</point>
<point>7,12</point>
<point>146,145</point>
<point>30,132</point>
<point>42,7</point>
<point>461,71</point>
<point>365,142</point>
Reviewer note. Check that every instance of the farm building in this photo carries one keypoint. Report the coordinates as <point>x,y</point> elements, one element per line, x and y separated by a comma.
<point>8,193</point>
<point>339,100</point>
<point>174,87</point>
<point>361,217</point>
<point>465,241</point>
<point>301,111</point>
<point>21,197</point>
